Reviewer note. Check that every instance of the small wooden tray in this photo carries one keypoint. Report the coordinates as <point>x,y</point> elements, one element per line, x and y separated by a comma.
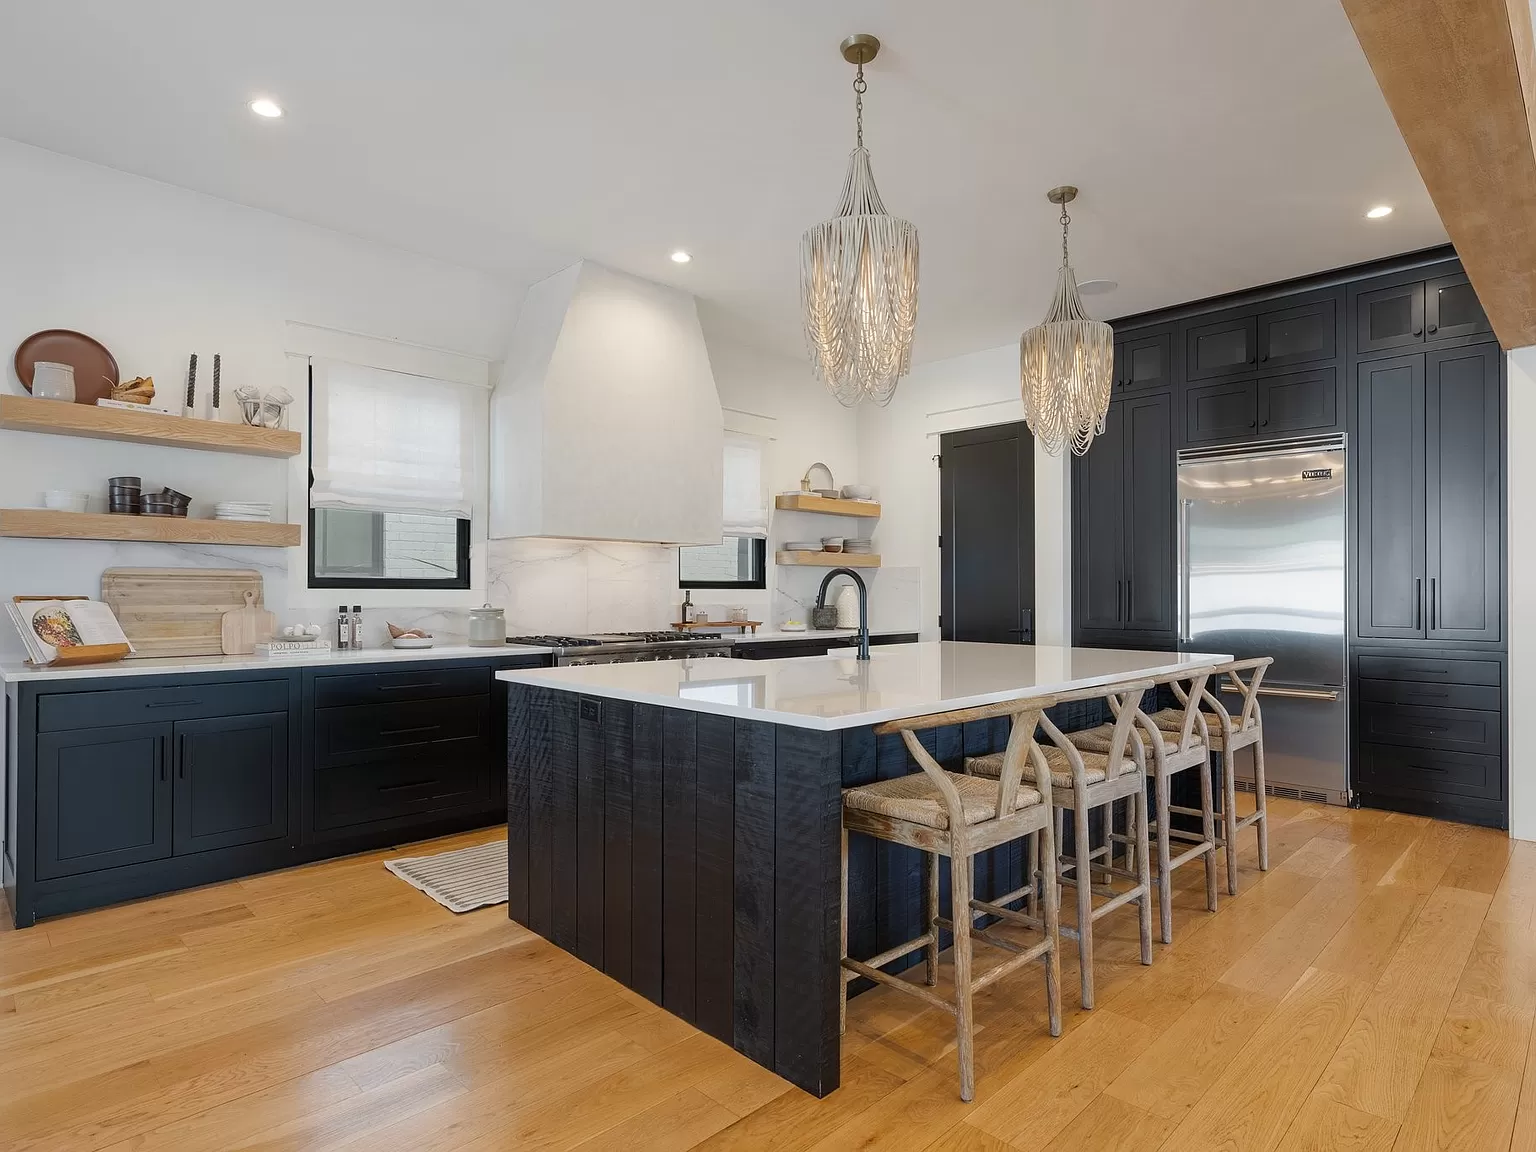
<point>744,625</point>
<point>80,653</point>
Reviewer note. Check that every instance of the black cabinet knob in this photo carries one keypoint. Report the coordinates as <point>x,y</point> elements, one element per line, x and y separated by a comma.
<point>1253,423</point>
<point>1433,328</point>
<point>1263,358</point>
<point>1418,331</point>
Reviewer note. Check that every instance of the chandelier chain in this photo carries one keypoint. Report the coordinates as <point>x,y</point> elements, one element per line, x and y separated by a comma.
<point>1065,220</point>
<point>859,88</point>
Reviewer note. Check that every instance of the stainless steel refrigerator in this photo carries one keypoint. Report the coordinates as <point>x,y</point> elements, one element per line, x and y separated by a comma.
<point>1262,560</point>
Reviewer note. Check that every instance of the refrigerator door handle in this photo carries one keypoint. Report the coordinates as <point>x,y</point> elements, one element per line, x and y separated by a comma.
<point>1184,630</point>
<point>1326,694</point>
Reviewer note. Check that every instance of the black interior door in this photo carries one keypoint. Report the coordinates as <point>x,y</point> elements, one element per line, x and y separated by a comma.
<point>987,534</point>
<point>1463,509</point>
<point>1390,487</point>
<point>103,798</point>
<point>231,783</point>
<point>1098,527</point>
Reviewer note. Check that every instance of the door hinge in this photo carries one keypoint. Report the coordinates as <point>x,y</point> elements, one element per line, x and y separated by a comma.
<point>941,541</point>
<point>941,619</point>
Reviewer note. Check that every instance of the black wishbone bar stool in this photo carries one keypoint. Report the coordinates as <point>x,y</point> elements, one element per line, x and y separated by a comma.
<point>948,814</point>
<point>1082,779</point>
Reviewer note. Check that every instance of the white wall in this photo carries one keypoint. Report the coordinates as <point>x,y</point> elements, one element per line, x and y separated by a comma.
<point>1522,592</point>
<point>156,272</point>
<point>897,445</point>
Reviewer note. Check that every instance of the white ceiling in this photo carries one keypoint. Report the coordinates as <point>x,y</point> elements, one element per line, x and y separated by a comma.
<point>1219,144</point>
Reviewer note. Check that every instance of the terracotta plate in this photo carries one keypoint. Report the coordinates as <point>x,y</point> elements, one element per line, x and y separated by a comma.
<point>95,369</point>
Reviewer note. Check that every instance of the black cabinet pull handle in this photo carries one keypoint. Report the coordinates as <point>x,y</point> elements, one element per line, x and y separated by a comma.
<point>1423,695</point>
<point>407,687</point>
<point>1253,423</point>
<point>181,756</point>
<point>409,731</point>
<point>173,703</point>
<point>1434,605</point>
<point>1129,598</point>
<point>406,787</point>
<point>1119,599</point>
<point>1418,603</point>
<point>164,770</point>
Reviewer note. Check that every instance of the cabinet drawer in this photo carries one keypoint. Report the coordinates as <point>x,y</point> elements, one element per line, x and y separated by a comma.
<point>369,728</point>
<point>1423,772</point>
<point>1433,669</point>
<point>67,711</point>
<point>1454,729</point>
<point>1484,697</point>
<point>338,690</point>
<point>384,789</point>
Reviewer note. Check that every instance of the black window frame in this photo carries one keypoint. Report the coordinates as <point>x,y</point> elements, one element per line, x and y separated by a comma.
<point>759,556</point>
<point>458,582</point>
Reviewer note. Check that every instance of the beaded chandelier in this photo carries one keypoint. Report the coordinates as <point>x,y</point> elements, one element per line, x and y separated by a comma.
<point>858,276</point>
<point>1067,362</point>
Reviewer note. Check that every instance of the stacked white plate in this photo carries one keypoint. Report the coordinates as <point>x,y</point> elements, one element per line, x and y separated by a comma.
<point>864,546</point>
<point>802,546</point>
<point>242,510</point>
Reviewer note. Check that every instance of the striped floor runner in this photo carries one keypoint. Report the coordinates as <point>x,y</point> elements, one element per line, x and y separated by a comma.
<point>461,880</point>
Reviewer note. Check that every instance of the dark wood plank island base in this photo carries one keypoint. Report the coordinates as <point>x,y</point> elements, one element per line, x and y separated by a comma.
<point>695,859</point>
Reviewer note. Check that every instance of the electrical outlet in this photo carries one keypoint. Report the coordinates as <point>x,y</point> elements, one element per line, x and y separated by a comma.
<point>591,711</point>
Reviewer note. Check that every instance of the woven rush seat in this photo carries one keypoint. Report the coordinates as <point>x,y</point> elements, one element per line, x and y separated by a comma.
<point>914,799</point>
<point>1095,766</point>
<point>1172,720</point>
<point>1097,739</point>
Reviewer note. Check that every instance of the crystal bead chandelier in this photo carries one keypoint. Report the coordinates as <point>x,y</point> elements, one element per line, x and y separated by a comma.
<point>858,276</point>
<point>1066,363</point>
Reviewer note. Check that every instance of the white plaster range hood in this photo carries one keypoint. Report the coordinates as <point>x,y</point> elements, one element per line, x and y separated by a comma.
<point>605,423</point>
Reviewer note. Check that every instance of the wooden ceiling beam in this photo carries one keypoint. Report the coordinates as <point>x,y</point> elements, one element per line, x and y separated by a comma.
<point>1460,79</point>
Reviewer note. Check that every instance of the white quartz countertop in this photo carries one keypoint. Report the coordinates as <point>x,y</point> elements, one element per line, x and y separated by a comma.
<point>839,691</point>
<point>170,665</point>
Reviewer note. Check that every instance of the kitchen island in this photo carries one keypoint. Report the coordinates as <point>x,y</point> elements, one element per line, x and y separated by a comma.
<point>677,824</point>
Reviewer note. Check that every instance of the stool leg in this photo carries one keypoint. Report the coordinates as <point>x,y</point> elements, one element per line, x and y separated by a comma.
<point>842,973</point>
<point>1261,802</point>
<point>1033,864</point>
<point>1164,870</point>
<point>1208,829</point>
<point>1084,877</point>
<point>960,902</point>
<point>1143,873</point>
<point>1050,903</point>
<point>1229,814</point>
<point>931,914</point>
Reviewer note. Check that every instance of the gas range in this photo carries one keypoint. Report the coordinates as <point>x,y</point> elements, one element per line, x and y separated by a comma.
<point>628,647</point>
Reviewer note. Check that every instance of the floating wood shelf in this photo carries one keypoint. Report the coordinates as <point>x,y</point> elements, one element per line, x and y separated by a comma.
<point>29,414</point>
<point>827,506</point>
<point>46,524</point>
<point>828,559</point>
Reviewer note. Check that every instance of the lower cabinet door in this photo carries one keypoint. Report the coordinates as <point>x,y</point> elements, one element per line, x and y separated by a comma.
<point>103,798</point>
<point>231,781</point>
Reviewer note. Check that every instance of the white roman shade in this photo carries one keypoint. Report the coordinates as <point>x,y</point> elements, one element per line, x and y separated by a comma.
<point>745,511</point>
<point>389,442</point>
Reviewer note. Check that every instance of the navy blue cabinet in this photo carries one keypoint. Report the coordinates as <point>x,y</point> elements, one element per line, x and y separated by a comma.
<point>103,798</point>
<point>230,781</point>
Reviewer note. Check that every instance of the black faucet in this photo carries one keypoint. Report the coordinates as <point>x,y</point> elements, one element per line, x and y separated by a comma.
<point>821,602</point>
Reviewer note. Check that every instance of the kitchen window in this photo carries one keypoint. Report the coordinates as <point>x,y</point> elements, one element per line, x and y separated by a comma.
<point>740,560</point>
<point>392,457</point>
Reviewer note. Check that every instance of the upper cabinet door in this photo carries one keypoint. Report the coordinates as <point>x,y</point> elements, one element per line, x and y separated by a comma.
<point>1149,513</point>
<point>1451,309</point>
<point>1098,527</point>
<point>1389,318</point>
<point>1464,463</point>
<point>1226,412</point>
<point>1219,348</point>
<point>1145,361</point>
<point>1300,403</point>
<point>1300,335</point>
<point>1390,490</point>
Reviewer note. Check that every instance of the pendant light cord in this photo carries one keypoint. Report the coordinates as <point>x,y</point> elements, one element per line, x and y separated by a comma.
<point>859,88</point>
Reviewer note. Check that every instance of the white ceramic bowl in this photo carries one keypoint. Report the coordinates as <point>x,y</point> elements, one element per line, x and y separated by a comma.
<point>61,500</point>
<point>412,642</point>
<point>858,492</point>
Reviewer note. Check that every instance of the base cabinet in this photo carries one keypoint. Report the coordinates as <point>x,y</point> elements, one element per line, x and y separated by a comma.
<point>229,775</point>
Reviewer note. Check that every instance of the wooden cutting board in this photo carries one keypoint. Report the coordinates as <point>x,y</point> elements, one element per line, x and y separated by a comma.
<point>177,611</point>
<point>247,627</point>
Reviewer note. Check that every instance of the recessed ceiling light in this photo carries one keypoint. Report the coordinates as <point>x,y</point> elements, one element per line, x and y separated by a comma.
<point>680,257</point>
<point>268,108</point>
<point>1379,211</point>
<point>1096,287</point>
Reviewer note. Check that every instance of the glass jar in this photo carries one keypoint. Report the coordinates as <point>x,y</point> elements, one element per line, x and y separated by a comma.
<point>487,627</point>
